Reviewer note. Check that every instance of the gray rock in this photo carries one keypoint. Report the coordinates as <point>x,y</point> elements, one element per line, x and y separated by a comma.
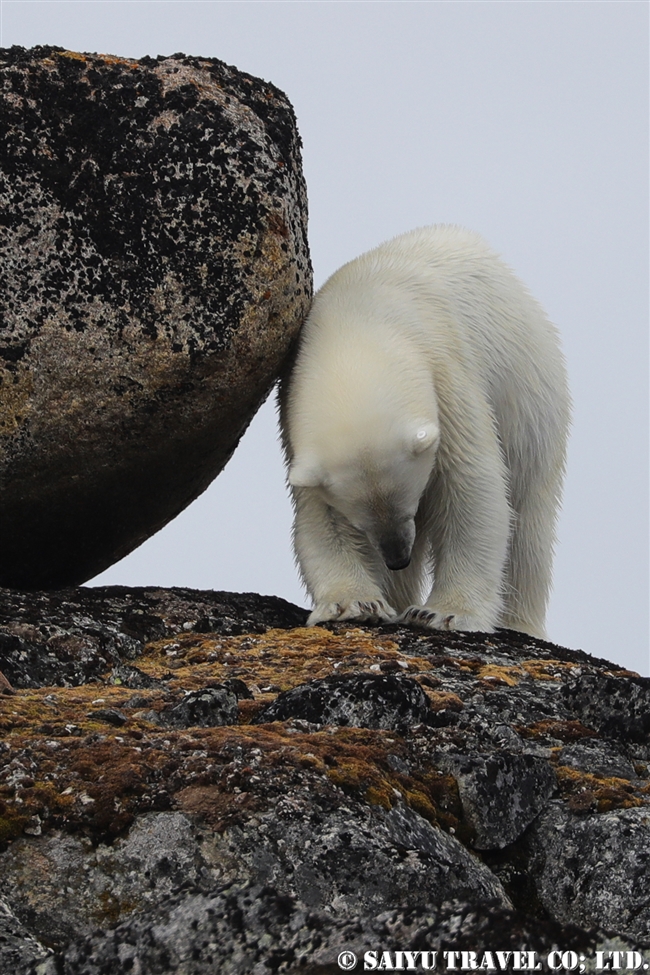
<point>594,871</point>
<point>64,887</point>
<point>501,793</point>
<point>154,270</point>
<point>359,861</point>
<point>207,708</point>
<point>355,860</point>
<point>237,930</point>
<point>356,700</point>
<point>134,678</point>
<point>18,948</point>
<point>593,759</point>
<point>605,705</point>
<point>110,715</point>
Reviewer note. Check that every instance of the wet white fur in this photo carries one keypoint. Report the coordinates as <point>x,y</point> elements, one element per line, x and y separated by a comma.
<point>428,397</point>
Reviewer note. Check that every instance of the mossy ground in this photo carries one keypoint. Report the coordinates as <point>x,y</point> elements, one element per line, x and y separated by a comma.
<point>70,768</point>
<point>67,766</point>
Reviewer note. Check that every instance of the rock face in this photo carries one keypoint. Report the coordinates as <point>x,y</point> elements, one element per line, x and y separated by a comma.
<point>154,270</point>
<point>193,782</point>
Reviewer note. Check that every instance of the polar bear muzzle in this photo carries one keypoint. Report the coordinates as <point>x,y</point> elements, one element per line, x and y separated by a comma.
<point>396,564</point>
<point>396,548</point>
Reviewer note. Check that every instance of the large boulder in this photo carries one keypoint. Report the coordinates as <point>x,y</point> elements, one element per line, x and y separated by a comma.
<point>154,270</point>
<point>194,782</point>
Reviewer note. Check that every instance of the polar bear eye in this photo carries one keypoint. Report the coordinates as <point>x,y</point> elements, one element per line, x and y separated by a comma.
<point>424,437</point>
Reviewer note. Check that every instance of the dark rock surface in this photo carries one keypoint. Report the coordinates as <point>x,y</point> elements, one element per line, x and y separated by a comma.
<point>207,708</point>
<point>594,867</point>
<point>256,929</point>
<point>71,636</point>
<point>196,783</point>
<point>501,792</point>
<point>353,700</point>
<point>18,949</point>
<point>154,271</point>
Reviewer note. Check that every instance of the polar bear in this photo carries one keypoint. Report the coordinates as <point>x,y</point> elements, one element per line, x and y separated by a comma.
<point>425,422</point>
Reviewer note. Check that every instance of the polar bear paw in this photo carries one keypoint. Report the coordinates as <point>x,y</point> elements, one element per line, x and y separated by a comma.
<point>357,609</point>
<point>431,619</point>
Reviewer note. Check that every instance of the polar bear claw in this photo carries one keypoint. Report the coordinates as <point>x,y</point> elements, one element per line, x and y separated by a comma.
<point>430,619</point>
<point>361,610</point>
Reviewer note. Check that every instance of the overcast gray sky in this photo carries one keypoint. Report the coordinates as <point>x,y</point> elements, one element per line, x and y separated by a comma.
<point>525,121</point>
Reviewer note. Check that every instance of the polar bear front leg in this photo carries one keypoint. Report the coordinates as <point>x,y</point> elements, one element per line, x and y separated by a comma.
<point>469,526</point>
<point>343,584</point>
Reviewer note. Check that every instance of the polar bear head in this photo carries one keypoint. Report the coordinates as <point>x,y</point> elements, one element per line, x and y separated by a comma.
<point>375,484</point>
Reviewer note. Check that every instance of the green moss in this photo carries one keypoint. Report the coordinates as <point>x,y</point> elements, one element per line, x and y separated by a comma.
<point>11,827</point>
<point>379,797</point>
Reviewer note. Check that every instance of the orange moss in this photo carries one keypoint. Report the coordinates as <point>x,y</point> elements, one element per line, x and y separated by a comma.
<point>111,59</point>
<point>562,730</point>
<point>97,784</point>
<point>352,759</point>
<point>278,659</point>
<point>422,804</point>
<point>444,700</point>
<point>46,796</point>
<point>495,674</point>
<point>591,793</point>
<point>72,54</point>
<point>108,909</point>
<point>378,797</point>
<point>106,58</point>
<point>547,669</point>
<point>471,664</point>
<point>218,808</point>
<point>96,777</point>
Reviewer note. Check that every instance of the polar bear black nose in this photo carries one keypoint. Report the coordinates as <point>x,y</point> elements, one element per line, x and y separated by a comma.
<point>396,545</point>
<point>395,564</point>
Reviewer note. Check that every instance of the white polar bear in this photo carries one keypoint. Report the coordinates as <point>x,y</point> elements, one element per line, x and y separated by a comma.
<point>425,424</point>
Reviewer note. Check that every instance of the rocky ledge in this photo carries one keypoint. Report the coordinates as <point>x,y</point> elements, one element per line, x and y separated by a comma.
<point>193,782</point>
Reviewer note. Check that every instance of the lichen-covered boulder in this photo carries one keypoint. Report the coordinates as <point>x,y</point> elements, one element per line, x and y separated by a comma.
<point>363,700</point>
<point>154,270</point>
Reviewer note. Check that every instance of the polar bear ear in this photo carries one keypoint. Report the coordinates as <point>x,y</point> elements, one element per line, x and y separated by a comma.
<point>306,473</point>
<point>425,436</point>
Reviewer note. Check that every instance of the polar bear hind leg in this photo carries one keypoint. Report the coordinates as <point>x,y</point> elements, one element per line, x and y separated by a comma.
<point>528,570</point>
